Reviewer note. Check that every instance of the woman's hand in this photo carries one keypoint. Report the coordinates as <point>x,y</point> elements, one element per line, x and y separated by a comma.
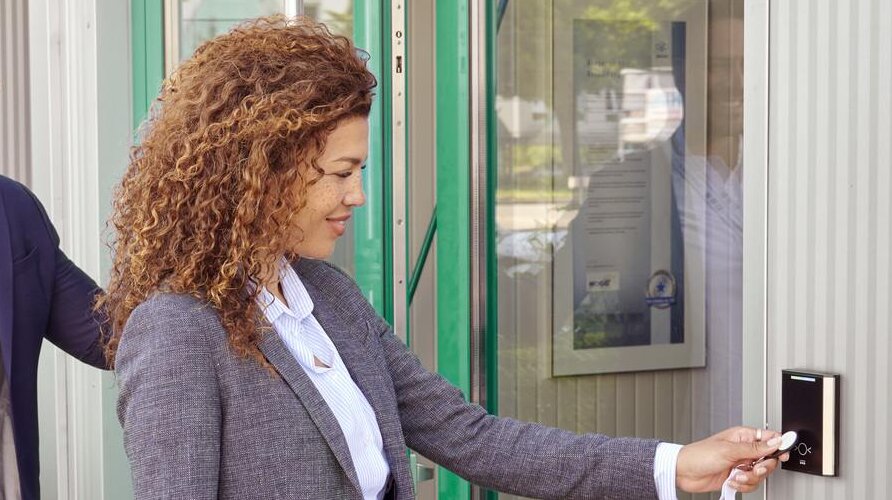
<point>705,465</point>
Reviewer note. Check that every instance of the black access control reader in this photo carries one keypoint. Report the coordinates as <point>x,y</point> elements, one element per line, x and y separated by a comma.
<point>810,406</point>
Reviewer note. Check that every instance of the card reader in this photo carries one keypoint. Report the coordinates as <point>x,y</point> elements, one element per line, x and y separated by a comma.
<point>810,406</point>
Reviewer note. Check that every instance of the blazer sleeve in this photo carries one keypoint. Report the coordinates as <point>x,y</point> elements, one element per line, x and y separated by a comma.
<point>169,402</point>
<point>508,455</point>
<point>72,325</point>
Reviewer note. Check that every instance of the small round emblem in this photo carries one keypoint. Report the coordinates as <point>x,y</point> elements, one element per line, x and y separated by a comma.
<point>661,289</point>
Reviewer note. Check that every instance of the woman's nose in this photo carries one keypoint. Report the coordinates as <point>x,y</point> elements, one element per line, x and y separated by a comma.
<point>355,197</point>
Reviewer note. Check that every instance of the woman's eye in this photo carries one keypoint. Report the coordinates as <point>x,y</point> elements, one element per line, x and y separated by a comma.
<point>345,174</point>
<point>348,173</point>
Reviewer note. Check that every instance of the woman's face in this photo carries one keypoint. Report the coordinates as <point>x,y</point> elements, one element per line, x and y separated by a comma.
<point>331,200</point>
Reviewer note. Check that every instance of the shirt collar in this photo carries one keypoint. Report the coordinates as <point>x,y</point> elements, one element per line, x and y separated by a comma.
<point>300,305</point>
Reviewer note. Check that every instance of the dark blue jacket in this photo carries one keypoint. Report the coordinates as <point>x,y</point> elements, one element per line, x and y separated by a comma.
<point>42,295</point>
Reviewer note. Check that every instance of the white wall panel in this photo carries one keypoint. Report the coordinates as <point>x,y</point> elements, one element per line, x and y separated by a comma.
<point>829,224</point>
<point>79,120</point>
<point>14,138</point>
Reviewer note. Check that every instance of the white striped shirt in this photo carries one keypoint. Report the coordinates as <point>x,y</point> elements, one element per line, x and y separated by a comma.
<point>664,470</point>
<point>305,338</point>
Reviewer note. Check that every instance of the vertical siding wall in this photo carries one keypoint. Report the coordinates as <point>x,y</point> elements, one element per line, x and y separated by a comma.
<point>829,278</point>
<point>14,125</point>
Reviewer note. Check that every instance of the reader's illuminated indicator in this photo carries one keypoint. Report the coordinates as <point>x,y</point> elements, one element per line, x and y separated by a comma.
<point>804,379</point>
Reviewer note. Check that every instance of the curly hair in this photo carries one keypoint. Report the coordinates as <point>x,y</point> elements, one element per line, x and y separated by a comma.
<point>210,194</point>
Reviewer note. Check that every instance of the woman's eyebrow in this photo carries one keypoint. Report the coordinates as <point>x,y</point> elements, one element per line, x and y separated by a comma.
<point>351,160</point>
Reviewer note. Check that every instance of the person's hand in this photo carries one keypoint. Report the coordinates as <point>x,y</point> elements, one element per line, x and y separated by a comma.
<point>705,465</point>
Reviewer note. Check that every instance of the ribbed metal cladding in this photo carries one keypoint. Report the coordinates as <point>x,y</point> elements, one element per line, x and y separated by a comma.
<point>15,146</point>
<point>830,224</point>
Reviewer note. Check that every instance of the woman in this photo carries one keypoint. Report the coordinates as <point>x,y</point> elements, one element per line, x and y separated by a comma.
<point>248,367</point>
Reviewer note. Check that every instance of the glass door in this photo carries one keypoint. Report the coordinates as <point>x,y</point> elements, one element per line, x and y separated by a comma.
<point>618,216</point>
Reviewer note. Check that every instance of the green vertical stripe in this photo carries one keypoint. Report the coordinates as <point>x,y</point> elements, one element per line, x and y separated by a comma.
<point>492,177</point>
<point>453,183</point>
<point>386,216</point>
<point>138,47</point>
<point>147,41</point>
<point>372,244</point>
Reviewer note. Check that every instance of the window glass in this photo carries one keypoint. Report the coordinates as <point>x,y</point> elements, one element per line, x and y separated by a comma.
<point>619,215</point>
<point>201,20</point>
<point>336,14</point>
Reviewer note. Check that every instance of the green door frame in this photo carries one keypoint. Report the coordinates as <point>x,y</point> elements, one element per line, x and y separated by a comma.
<point>492,168</point>
<point>454,224</point>
<point>372,227</point>
<point>147,48</point>
<point>453,211</point>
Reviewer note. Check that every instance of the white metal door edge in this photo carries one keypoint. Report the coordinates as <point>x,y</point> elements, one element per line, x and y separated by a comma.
<point>398,166</point>
<point>755,213</point>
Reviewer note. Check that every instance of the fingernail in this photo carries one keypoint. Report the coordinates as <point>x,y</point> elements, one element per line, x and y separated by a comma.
<point>761,471</point>
<point>773,442</point>
<point>740,478</point>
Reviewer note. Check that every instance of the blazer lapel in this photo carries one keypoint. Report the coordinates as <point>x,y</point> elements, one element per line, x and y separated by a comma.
<point>6,291</point>
<point>277,354</point>
<point>352,342</point>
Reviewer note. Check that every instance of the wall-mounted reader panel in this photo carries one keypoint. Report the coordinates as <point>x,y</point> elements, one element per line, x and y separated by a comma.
<point>810,406</point>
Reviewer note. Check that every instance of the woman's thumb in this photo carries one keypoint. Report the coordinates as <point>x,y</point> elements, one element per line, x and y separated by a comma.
<point>754,449</point>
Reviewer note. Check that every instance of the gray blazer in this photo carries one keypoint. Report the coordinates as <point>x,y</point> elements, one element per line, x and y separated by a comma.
<point>201,423</point>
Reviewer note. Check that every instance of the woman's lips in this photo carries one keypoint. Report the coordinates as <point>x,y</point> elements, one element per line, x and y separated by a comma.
<point>338,224</point>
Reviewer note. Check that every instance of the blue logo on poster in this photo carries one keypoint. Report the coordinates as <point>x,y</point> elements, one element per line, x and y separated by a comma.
<point>660,291</point>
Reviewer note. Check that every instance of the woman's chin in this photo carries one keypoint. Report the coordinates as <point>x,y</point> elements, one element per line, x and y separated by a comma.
<point>317,252</point>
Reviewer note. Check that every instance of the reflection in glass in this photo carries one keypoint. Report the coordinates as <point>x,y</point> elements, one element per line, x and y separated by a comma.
<point>628,106</point>
<point>336,14</point>
<point>604,147</point>
<point>201,20</point>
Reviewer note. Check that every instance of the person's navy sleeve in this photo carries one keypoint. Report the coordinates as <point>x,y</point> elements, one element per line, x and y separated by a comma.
<point>72,326</point>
